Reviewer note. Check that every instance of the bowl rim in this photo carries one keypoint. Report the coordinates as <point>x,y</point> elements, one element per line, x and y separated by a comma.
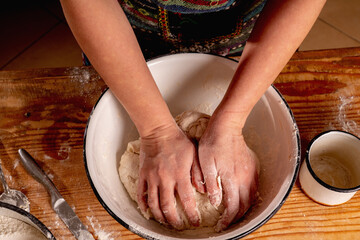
<point>45,231</point>
<point>241,235</point>
<point>313,174</point>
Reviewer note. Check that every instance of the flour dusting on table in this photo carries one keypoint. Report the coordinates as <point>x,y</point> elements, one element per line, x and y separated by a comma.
<point>99,232</point>
<point>342,121</point>
<point>346,124</point>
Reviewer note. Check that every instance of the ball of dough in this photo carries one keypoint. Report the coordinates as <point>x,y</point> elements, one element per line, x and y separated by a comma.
<point>193,124</point>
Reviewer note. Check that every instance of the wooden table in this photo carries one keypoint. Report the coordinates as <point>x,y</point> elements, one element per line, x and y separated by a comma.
<point>45,111</point>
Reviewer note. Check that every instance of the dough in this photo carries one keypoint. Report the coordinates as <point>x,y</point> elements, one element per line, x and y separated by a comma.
<point>193,124</point>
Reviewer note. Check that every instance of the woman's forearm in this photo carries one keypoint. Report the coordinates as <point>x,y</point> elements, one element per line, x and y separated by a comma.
<point>105,35</point>
<point>278,32</point>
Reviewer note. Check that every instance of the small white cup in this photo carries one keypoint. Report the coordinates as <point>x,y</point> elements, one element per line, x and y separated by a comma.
<point>330,174</point>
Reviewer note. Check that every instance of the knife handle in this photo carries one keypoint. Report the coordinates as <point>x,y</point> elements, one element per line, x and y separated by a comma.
<point>36,172</point>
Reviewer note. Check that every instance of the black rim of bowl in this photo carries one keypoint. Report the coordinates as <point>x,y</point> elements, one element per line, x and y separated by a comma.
<point>313,174</point>
<point>141,234</point>
<point>31,217</point>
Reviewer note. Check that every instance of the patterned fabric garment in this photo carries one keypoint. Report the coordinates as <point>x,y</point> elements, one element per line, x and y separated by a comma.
<point>220,27</point>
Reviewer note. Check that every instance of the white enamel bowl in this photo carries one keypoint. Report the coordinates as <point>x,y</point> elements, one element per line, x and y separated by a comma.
<point>193,82</point>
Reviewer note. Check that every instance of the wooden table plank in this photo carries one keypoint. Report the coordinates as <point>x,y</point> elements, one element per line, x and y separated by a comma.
<point>45,111</point>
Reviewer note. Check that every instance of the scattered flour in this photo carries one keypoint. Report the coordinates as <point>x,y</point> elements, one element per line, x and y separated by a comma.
<point>79,74</point>
<point>13,229</point>
<point>346,124</point>
<point>16,163</point>
<point>342,121</point>
<point>100,234</point>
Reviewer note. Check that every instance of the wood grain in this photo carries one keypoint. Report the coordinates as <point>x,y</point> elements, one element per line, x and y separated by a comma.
<point>45,111</point>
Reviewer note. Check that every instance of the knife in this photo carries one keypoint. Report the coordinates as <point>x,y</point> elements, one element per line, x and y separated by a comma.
<point>58,203</point>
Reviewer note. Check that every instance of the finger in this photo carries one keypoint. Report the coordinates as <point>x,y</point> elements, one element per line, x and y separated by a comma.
<point>187,198</point>
<point>197,178</point>
<point>168,207</point>
<point>247,198</point>
<point>232,205</point>
<point>141,196</point>
<point>212,182</point>
<point>254,189</point>
<point>245,202</point>
<point>153,202</point>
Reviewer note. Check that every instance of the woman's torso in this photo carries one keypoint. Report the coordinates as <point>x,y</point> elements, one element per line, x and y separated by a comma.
<point>209,26</point>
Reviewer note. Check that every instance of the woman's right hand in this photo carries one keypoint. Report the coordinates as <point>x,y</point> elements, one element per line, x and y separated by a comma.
<point>166,159</point>
<point>229,166</point>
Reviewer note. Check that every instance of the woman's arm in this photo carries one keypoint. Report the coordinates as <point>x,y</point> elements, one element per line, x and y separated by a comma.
<point>105,35</point>
<point>278,32</point>
<point>223,154</point>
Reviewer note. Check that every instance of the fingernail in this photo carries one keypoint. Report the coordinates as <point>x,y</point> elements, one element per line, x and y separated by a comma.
<point>179,226</point>
<point>197,221</point>
<point>161,221</point>
<point>220,227</point>
<point>215,199</point>
<point>145,213</point>
<point>200,187</point>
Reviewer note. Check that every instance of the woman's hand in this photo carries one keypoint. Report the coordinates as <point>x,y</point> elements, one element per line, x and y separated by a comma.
<point>166,159</point>
<point>230,169</point>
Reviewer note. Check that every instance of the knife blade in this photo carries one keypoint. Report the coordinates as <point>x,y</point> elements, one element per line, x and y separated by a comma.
<point>58,203</point>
